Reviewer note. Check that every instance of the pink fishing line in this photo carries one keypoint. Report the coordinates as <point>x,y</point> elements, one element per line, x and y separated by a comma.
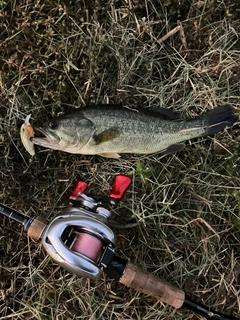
<point>88,245</point>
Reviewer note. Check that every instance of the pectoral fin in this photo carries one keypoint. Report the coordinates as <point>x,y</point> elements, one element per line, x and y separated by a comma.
<point>174,148</point>
<point>106,135</point>
<point>110,155</point>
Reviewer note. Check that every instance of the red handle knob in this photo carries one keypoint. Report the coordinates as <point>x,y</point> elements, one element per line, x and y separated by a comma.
<point>79,188</point>
<point>120,185</point>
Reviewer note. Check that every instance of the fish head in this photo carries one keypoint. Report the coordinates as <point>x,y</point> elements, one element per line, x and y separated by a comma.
<point>68,133</point>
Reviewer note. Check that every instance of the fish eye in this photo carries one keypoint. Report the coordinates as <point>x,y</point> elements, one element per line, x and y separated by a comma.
<point>52,125</point>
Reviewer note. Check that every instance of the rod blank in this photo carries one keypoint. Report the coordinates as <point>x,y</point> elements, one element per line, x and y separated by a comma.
<point>14,215</point>
<point>202,310</point>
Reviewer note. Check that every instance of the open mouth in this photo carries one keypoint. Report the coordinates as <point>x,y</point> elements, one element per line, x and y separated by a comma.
<point>47,141</point>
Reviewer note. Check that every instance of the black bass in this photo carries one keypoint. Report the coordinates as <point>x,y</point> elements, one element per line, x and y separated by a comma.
<point>109,130</point>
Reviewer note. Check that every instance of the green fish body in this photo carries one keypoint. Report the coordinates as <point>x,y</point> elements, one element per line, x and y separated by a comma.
<point>110,130</point>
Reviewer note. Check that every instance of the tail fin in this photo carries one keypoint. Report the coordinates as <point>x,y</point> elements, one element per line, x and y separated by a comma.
<point>219,118</point>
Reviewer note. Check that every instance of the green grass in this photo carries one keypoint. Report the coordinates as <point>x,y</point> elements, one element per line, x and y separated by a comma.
<point>180,219</point>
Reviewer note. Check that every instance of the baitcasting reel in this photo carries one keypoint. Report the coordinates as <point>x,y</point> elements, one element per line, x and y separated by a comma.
<point>80,239</point>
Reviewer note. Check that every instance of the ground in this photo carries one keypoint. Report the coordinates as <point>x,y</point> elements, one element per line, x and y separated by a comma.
<point>180,218</point>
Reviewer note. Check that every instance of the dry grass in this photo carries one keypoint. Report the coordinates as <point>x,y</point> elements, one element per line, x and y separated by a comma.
<point>180,219</point>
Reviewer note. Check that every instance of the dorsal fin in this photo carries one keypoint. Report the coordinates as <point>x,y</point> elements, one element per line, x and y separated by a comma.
<point>168,114</point>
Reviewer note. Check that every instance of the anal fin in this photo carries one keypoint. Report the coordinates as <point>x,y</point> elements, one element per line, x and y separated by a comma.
<point>173,148</point>
<point>110,155</point>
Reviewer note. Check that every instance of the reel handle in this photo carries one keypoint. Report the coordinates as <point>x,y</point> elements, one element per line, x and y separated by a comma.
<point>146,282</point>
<point>79,188</point>
<point>120,186</point>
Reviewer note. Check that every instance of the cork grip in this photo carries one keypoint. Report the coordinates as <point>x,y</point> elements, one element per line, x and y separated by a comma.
<point>36,228</point>
<point>150,284</point>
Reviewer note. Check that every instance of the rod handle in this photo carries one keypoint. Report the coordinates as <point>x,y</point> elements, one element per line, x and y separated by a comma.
<point>36,228</point>
<point>146,282</point>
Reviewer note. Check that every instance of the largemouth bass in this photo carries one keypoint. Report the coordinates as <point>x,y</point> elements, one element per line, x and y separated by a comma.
<point>109,130</point>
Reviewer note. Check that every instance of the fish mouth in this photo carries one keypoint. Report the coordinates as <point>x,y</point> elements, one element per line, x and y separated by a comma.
<point>48,141</point>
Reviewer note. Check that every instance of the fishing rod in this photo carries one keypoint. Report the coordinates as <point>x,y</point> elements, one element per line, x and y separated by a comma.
<point>81,241</point>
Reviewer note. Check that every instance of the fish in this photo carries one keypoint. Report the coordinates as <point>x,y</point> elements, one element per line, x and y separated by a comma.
<point>26,134</point>
<point>110,130</point>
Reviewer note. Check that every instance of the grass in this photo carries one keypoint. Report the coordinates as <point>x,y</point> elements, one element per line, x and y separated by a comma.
<point>180,219</point>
